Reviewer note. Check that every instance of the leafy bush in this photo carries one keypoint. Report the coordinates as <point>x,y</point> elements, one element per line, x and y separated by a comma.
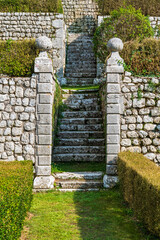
<point>142,58</point>
<point>15,197</point>
<point>126,23</point>
<point>17,57</point>
<point>140,182</point>
<point>149,7</point>
<point>31,6</point>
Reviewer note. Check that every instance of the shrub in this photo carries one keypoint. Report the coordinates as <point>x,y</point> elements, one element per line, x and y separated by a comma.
<point>126,23</point>
<point>149,7</point>
<point>17,57</point>
<point>31,6</point>
<point>140,182</point>
<point>15,197</point>
<point>142,58</point>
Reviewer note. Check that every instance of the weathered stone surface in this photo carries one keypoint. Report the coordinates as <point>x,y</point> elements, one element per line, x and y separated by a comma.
<point>109,181</point>
<point>44,182</point>
<point>44,43</point>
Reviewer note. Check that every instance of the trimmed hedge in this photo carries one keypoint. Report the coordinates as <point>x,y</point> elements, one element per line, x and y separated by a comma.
<point>142,58</point>
<point>140,182</point>
<point>16,180</point>
<point>17,57</point>
<point>31,6</point>
<point>149,7</point>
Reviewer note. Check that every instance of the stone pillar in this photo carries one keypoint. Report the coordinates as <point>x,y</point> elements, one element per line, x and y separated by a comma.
<point>114,108</point>
<point>45,93</point>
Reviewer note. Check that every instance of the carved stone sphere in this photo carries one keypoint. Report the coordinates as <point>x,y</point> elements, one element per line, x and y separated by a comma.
<point>44,43</point>
<point>115,45</point>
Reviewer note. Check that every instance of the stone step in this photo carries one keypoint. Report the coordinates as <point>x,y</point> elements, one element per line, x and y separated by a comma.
<point>79,175</point>
<point>81,75</point>
<point>69,157</point>
<point>97,127</point>
<point>74,91</point>
<point>82,114</point>
<point>80,184</point>
<point>78,70</point>
<point>81,103</point>
<point>81,142</point>
<point>80,96</point>
<point>79,149</point>
<point>80,134</point>
<point>82,107</point>
<point>81,121</point>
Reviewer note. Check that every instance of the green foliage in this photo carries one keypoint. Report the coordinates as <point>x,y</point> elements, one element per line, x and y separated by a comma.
<point>140,182</point>
<point>17,57</point>
<point>16,180</point>
<point>126,23</point>
<point>149,7</point>
<point>31,6</point>
<point>142,58</point>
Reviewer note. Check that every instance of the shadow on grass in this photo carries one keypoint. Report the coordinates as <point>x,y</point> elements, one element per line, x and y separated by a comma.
<point>103,216</point>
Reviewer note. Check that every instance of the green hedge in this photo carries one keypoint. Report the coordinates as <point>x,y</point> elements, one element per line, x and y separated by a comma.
<point>31,6</point>
<point>149,7</point>
<point>16,180</point>
<point>17,57</point>
<point>142,58</point>
<point>140,182</point>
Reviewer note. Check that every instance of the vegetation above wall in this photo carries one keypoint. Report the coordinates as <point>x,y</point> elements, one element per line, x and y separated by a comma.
<point>142,58</point>
<point>16,180</point>
<point>140,182</point>
<point>31,6</point>
<point>17,57</point>
<point>149,7</point>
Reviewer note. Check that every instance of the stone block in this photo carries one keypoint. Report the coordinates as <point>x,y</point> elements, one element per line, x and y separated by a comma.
<point>44,108</point>
<point>44,150</point>
<point>113,139</point>
<point>44,182</point>
<point>113,98</point>
<point>45,78</point>
<point>43,65</point>
<point>113,119</point>
<point>113,88</point>
<point>113,148</point>
<point>113,78</point>
<point>44,88</point>
<point>139,103</point>
<point>114,69</point>
<point>45,139</point>
<point>17,131</point>
<point>43,170</point>
<point>111,159</point>
<point>111,170</point>
<point>45,118</point>
<point>113,109</point>
<point>45,99</point>
<point>58,23</point>
<point>109,181</point>
<point>44,129</point>
<point>44,160</point>
<point>113,129</point>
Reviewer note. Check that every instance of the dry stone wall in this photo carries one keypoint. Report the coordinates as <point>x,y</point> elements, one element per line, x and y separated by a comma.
<point>17,118</point>
<point>18,26</point>
<point>140,121</point>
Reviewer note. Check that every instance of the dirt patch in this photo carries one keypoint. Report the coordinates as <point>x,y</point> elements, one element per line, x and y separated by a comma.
<point>25,231</point>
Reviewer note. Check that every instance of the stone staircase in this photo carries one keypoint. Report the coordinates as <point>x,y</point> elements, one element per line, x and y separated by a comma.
<point>80,139</point>
<point>81,62</point>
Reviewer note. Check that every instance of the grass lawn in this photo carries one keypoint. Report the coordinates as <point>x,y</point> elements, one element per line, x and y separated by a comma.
<point>82,216</point>
<point>78,167</point>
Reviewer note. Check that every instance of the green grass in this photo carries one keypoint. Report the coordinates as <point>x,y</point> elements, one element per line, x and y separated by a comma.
<point>83,216</point>
<point>78,167</point>
<point>80,88</point>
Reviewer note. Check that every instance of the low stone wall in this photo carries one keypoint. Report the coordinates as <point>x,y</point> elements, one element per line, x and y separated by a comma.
<point>18,26</point>
<point>17,118</point>
<point>140,121</point>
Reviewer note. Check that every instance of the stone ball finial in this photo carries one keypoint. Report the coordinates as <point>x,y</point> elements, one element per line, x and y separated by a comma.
<point>44,43</point>
<point>115,45</point>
